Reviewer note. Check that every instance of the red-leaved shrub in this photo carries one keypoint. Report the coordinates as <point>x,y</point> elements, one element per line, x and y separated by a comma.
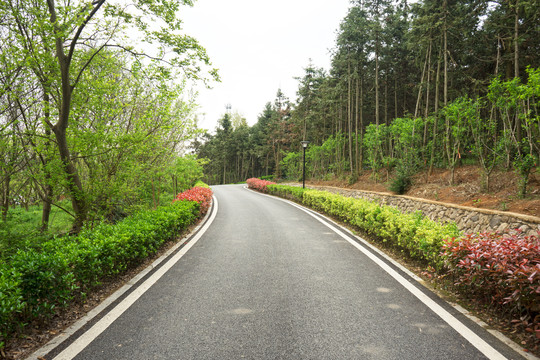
<point>258,184</point>
<point>500,270</point>
<point>198,194</point>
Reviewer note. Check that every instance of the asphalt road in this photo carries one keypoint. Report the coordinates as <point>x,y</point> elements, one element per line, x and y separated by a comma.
<point>267,280</point>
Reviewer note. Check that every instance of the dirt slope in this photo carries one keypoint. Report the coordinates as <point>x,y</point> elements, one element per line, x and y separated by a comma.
<point>466,189</point>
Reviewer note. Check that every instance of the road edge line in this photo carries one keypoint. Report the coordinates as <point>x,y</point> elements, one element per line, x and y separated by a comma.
<point>485,348</point>
<point>190,239</point>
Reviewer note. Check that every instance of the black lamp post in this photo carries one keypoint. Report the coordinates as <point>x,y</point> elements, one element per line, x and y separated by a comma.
<point>304,145</point>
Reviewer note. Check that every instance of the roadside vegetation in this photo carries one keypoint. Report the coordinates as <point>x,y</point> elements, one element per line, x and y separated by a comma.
<point>95,122</point>
<point>497,271</point>
<point>41,278</point>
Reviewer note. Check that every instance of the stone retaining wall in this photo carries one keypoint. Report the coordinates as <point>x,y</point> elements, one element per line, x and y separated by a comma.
<point>468,220</point>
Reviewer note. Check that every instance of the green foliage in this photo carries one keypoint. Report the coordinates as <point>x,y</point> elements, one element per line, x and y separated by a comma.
<point>186,171</point>
<point>523,166</point>
<point>21,228</point>
<point>114,135</point>
<point>321,160</point>
<point>35,281</point>
<point>457,115</point>
<point>295,193</point>
<point>200,183</point>
<point>268,177</point>
<point>45,279</point>
<point>374,139</point>
<point>401,183</point>
<point>406,136</point>
<point>421,238</point>
<point>292,166</point>
<point>11,302</point>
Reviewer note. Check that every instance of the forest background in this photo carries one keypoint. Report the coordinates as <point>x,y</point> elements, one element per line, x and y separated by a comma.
<point>412,87</point>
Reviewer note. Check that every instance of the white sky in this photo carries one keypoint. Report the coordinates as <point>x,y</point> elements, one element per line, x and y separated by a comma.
<point>259,46</point>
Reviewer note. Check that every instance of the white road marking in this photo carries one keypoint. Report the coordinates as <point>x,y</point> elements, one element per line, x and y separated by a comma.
<point>457,325</point>
<point>84,340</point>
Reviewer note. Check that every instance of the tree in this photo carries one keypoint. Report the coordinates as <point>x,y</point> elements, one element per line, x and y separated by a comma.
<point>61,41</point>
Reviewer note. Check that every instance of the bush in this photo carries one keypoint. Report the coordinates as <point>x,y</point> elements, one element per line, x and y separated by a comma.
<point>200,195</point>
<point>420,237</point>
<point>33,282</point>
<point>11,302</point>
<point>295,193</point>
<point>500,270</point>
<point>401,184</point>
<point>45,281</point>
<point>200,183</point>
<point>258,184</point>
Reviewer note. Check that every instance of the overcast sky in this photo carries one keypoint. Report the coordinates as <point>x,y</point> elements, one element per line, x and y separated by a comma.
<point>259,46</point>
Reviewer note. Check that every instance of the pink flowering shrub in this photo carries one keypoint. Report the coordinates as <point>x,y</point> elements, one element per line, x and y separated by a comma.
<point>258,184</point>
<point>500,270</point>
<point>199,194</point>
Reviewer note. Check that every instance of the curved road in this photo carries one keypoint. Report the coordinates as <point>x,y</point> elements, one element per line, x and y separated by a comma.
<point>268,280</point>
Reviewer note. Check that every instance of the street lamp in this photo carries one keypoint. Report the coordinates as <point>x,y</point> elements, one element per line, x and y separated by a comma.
<point>304,145</point>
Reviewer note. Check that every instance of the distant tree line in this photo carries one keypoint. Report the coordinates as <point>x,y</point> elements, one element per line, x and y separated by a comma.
<point>412,86</point>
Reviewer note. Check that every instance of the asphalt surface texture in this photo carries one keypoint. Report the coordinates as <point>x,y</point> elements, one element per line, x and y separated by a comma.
<point>269,281</point>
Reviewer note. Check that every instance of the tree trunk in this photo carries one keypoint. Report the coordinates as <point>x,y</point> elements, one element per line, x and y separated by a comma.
<point>224,170</point>
<point>46,211</point>
<point>417,107</point>
<point>73,180</point>
<point>516,67</point>
<point>428,86</point>
<point>426,110</point>
<point>154,194</point>
<point>5,197</point>
<point>516,40</point>
<point>386,119</point>
<point>395,99</point>
<point>377,80</point>
<point>445,56</point>
<point>357,165</point>
<point>435,109</point>
<point>48,194</point>
<point>349,117</point>
<point>445,93</point>
<point>361,121</point>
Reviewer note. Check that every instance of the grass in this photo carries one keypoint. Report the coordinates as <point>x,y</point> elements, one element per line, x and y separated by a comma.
<point>22,227</point>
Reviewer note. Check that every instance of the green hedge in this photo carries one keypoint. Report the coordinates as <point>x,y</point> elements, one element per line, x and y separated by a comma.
<point>413,233</point>
<point>289,192</point>
<point>33,282</point>
<point>201,183</point>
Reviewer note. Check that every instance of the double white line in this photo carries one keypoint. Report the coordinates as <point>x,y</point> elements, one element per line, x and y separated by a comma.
<point>86,338</point>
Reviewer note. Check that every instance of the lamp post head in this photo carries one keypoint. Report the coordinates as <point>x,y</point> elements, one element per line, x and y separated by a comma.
<point>304,143</point>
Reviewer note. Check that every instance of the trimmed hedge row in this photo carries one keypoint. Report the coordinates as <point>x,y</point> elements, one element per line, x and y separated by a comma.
<point>502,270</point>
<point>33,282</point>
<point>200,183</point>
<point>420,237</point>
<point>258,184</point>
<point>294,193</point>
<point>200,194</point>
